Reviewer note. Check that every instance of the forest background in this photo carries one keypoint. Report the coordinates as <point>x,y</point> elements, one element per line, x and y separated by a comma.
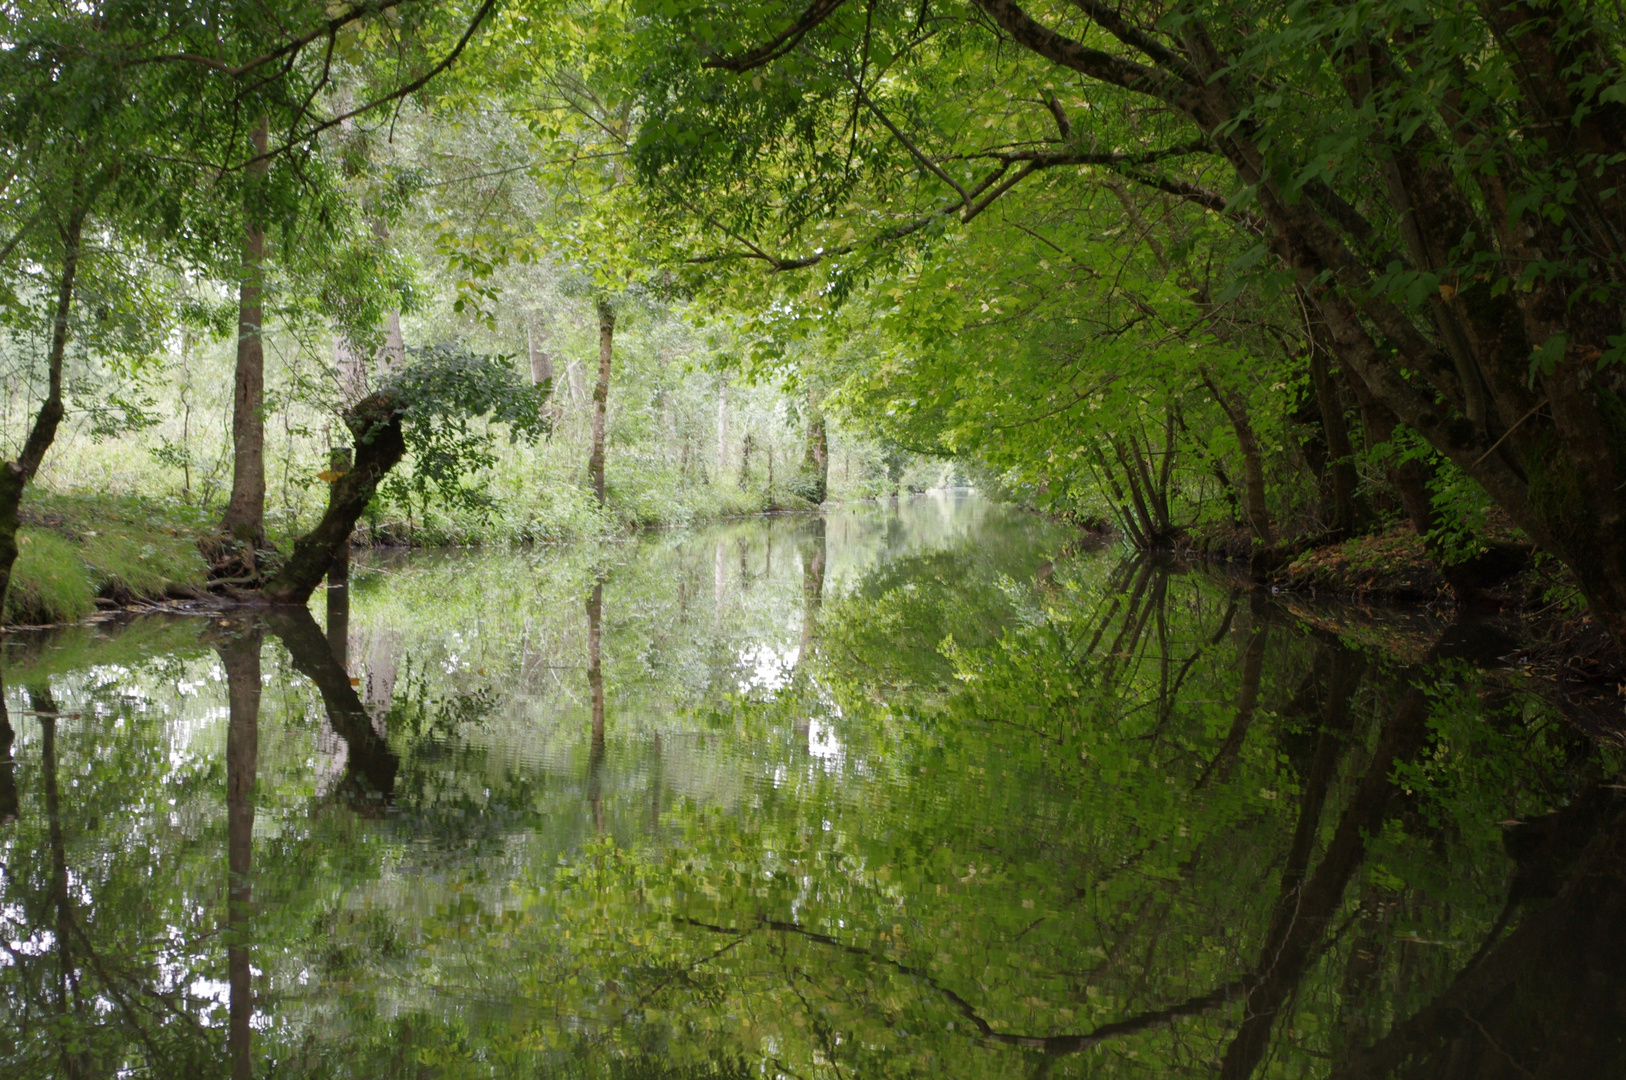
<point>1262,280</point>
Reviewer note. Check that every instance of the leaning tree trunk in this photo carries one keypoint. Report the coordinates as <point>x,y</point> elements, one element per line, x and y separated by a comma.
<point>1138,528</point>
<point>244,519</point>
<point>375,423</point>
<point>601,397</point>
<point>15,475</point>
<point>370,765</point>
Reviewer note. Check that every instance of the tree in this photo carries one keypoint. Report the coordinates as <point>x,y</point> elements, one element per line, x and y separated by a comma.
<point>253,38</point>
<point>92,184</point>
<point>601,396</point>
<point>1441,185</point>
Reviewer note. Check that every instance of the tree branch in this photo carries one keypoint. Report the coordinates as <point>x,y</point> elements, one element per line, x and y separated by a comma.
<point>331,27</point>
<point>782,43</point>
<point>410,88</point>
<point>1050,1044</point>
<point>1116,25</point>
<point>1079,57</point>
<point>936,169</point>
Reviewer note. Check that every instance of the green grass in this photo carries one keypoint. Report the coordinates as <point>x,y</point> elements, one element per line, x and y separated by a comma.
<point>49,581</point>
<point>73,549</point>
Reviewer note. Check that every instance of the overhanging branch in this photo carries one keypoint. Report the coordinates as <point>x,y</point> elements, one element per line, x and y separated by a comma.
<point>781,43</point>
<point>410,88</point>
<point>329,28</point>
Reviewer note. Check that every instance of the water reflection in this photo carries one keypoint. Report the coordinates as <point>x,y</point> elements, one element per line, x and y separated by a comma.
<point>595,688</point>
<point>8,767</point>
<point>240,659</point>
<point>891,793</point>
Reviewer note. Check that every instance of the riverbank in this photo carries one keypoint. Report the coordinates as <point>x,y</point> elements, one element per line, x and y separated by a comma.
<point>1530,598</point>
<point>80,553</point>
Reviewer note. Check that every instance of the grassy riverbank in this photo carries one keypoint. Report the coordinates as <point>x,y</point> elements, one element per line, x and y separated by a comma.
<point>77,550</point>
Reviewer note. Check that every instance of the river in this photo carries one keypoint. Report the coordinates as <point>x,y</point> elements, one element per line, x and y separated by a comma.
<point>934,789</point>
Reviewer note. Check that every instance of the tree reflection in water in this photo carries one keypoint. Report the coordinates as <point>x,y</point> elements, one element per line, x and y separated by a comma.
<point>1064,815</point>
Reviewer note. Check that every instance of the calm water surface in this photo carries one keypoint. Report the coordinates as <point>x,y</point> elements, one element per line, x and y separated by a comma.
<point>916,791</point>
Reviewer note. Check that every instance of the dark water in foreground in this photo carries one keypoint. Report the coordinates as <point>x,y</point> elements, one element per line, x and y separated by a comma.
<point>894,793</point>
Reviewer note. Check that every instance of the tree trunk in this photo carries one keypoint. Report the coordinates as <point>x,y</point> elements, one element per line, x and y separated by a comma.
<point>816,463</point>
<point>370,765</point>
<point>812,589</point>
<point>595,685</point>
<point>1247,695</point>
<point>746,446</point>
<point>10,806</point>
<point>1308,903</point>
<point>244,519</point>
<point>1254,506</point>
<point>1545,1001</point>
<point>541,370</point>
<point>1501,373</point>
<point>76,1061</point>
<point>1343,482</point>
<point>1121,505</point>
<point>595,657</point>
<point>16,475</point>
<point>813,562</point>
<point>722,430</point>
<point>375,424</point>
<point>350,371</point>
<point>601,397</point>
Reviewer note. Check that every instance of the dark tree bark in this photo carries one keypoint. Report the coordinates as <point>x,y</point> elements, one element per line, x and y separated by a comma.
<point>16,475</point>
<point>595,657</point>
<point>601,397</point>
<point>244,518</point>
<point>813,557</point>
<point>1343,482</point>
<point>1549,1001</point>
<point>375,423</point>
<point>1254,506</point>
<point>240,656</point>
<point>1309,901</point>
<point>1247,694</point>
<point>370,765</point>
<point>1133,521</point>
<point>70,1003</point>
<point>10,806</point>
